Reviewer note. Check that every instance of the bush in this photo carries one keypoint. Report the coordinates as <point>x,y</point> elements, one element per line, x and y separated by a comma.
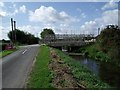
<point>109,41</point>
<point>2,46</point>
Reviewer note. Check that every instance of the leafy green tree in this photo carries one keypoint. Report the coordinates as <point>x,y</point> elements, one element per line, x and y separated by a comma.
<point>109,40</point>
<point>22,37</point>
<point>46,32</point>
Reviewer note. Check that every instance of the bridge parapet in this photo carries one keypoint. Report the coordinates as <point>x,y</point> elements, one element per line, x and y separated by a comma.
<point>66,39</point>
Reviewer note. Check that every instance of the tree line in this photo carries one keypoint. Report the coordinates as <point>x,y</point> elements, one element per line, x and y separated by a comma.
<point>21,37</point>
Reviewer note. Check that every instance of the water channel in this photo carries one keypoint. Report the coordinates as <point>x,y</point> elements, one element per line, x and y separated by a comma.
<point>108,72</point>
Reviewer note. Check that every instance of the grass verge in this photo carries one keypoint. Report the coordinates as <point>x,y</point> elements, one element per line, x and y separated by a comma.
<point>41,76</point>
<point>7,52</point>
<point>82,74</point>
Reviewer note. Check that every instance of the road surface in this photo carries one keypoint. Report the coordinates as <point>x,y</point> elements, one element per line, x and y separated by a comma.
<point>16,66</point>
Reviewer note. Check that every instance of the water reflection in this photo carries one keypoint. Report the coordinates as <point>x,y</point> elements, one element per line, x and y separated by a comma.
<point>93,66</point>
<point>108,72</point>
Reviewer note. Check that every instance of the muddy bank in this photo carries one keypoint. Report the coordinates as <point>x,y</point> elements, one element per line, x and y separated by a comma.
<point>63,77</point>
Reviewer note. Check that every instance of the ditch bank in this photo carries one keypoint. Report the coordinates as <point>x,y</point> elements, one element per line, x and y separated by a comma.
<point>63,77</point>
<point>53,69</point>
<point>82,74</point>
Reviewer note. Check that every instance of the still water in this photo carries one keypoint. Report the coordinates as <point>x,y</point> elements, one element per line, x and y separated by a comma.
<point>108,72</point>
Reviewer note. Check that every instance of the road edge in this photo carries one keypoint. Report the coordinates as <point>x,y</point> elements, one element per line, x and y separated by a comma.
<point>31,68</point>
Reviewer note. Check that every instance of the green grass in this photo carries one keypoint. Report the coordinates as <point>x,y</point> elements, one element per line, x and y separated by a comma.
<point>94,52</point>
<point>6,52</point>
<point>41,76</point>
<point>82,74</point>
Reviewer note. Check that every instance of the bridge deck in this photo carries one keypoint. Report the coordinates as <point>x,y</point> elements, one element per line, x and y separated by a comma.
<point>66,40</point>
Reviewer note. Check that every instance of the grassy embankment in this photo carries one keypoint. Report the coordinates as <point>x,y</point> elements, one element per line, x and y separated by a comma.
<point>82,74</point>
<point>94,52</point>
<point>41,76</point>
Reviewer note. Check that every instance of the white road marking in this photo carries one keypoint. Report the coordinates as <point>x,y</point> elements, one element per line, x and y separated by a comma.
<point>24,51</point>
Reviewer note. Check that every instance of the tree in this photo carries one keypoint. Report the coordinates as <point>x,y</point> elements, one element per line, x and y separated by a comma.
<point>23,37</point>
<point>46,32</point>
<point>109,40</point>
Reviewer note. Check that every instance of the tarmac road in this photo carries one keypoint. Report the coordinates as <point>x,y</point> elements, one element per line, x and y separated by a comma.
<point>16,66</point>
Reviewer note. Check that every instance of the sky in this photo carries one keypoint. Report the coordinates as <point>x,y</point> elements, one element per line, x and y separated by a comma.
<point>62,17</point>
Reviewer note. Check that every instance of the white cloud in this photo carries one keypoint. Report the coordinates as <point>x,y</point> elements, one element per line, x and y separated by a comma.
<point>50,15</point>
<point>1,4</point>
<point>110,5</point>
<point>108,17</point>
<point>4,31</point>
<point>23,9</point>
<point>1,32</point>
<point>2,13</point>
<point>89,27</point>
<point>64,25</point>
<point>15,12</point>
<point>35,30</point>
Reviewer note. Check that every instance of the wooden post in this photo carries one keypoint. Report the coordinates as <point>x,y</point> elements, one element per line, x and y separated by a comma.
<point>12,30</point>
<point>98,31</point>
<point>15,29</point>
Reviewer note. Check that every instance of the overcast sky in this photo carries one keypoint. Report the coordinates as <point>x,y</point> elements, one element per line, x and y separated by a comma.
<point>62,17</point>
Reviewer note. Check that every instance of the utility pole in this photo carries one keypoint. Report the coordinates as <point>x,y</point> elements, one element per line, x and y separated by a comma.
<point>15,29</point>
<point>71,31</point>
<point>98,31</point>
<point>12,30</point>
